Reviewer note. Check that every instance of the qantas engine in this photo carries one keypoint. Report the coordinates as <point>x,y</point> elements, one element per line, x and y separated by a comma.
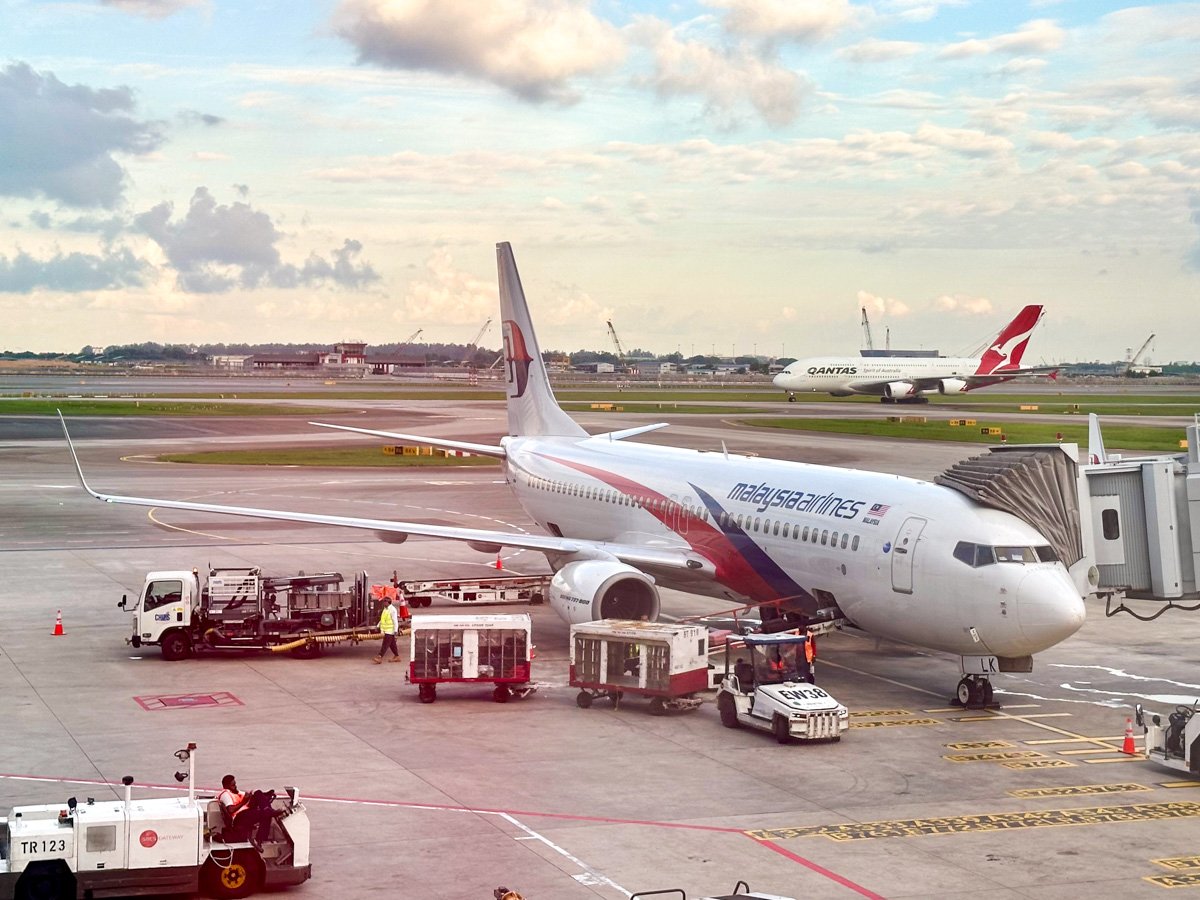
<point>952,386</point>
<point>898,390</point>
<point>591,589</point>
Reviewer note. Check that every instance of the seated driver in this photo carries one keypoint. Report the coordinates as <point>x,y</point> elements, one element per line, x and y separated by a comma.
<point>249,813</point>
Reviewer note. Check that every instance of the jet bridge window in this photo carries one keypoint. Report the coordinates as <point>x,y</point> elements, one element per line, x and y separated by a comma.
<point>1110,521</point>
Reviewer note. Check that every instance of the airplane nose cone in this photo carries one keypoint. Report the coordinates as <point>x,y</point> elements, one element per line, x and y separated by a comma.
<point>780,380</point>
<point>1049,608</point>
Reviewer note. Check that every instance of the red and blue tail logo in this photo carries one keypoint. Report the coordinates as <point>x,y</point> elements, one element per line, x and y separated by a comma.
<point>516,358</point>
<point>1008,348</point>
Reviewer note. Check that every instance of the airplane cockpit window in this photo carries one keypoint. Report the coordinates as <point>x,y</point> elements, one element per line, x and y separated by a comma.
<point>1046,553</point>
<point>1015,555</point>
<point>974,555</point>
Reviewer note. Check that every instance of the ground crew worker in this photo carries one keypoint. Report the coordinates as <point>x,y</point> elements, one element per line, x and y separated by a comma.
<point>389,625</point>
<point>250,813</point>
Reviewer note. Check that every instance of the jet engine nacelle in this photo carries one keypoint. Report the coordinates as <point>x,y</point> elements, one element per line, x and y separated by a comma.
<point>592,589</point>
<point>952,386</point>
<point>898,389</point>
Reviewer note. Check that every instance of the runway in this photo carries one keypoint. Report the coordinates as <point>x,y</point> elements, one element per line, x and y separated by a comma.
<point>918,800</point>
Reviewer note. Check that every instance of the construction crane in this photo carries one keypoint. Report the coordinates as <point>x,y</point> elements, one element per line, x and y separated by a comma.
<point>475,343</point>
<point>412,337</point>
<point>612,333</point>
<point>866,324</point>
<point>1135,357</point>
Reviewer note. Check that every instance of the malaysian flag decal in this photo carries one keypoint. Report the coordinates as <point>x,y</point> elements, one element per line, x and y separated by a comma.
<point>879,510</point>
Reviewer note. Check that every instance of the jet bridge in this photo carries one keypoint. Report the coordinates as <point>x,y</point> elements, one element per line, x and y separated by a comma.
<point>1124,527</point>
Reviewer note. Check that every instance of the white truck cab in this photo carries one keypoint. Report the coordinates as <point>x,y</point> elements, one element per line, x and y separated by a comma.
<point>769,685</point>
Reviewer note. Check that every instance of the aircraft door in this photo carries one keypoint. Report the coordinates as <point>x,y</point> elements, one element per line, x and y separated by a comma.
<point>903,552</point>
<point>678,519</point>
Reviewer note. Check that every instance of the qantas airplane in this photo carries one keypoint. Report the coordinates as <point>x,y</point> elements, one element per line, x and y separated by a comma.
<point>901,558</point>
<point>902,379</point>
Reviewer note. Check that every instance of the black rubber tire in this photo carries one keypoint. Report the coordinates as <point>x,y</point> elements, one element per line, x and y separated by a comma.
<point>658,706</point>
<point>427,692</point>
<point>989,693</point>
<point>583,700</point>
<point>501,694</point>
<point>791,398</point>
<point>977,693</point>
<point>46,880</point>
<point>176,645</point>
<point>240,878</point>
<point>727,709</point>
<point>308,651</point>
<point>780,728</point>
<point>963,692</point>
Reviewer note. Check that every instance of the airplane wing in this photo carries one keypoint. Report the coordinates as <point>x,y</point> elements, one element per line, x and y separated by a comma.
<point>664,557</point>
<point>479,449</point>
<point>975,381</point>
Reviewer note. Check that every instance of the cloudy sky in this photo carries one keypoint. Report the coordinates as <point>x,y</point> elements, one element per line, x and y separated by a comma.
<point>712,175</point>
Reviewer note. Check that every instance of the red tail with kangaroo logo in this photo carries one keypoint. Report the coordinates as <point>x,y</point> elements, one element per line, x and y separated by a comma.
<point>1005,352</point>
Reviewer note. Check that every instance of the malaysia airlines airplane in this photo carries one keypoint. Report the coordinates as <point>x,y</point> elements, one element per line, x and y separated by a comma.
<point>902,379</point>
<point>901,558</point>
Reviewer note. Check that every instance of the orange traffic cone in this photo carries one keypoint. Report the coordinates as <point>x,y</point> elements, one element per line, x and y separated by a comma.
<point>499,564</point>
<point>58,629</point>
<point>1127,748</point>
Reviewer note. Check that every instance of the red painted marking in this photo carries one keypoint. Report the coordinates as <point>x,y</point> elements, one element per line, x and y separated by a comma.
<point>148,838</point>
<point>536,814</point>
<point>186,701</point>
<point>820,870</point>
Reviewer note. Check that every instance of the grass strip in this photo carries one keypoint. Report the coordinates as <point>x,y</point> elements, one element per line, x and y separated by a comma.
<point>322,456</point>
<point>96,407</point>
<point>1126,437</point>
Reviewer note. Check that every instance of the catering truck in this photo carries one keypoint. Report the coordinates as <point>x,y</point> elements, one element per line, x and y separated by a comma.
<point>242,609</point>
<point>96,848</point>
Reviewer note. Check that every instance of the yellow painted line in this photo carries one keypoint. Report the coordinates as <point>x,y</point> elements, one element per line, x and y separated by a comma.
<point>992,822</point>
<point>998,756</point>
<point>1179,784</point>
<point>1138,758</point>
<point>1179,862</point>
<point>949,709</point>
<point>1179,879</point>
<point>1086,750</point>
<point>978,745</point>
<point>885,723</point>
<point>873,713</point>
<point>161,524</point>
<point>996,718</point>
<point>1077,790</point>
<point>1039,764</point>
<point>1074,740</point>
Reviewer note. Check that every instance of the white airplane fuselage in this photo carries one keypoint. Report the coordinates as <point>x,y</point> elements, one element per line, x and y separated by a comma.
<point>881,546</point>
<point>847,375</point>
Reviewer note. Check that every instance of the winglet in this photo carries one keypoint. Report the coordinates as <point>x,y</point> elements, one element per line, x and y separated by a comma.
<point>1096,452</point>
<point>75,457</point>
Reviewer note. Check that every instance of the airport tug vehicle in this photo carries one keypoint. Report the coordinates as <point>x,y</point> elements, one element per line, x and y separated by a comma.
<point>168,845</point>
<point>243,609</point>
<point>771,687</point>
<point>471,649</point>
<point>666,662</point>
<point>1176,744</point>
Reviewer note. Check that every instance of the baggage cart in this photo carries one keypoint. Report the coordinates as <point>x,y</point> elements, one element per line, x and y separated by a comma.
<point>664,661</point>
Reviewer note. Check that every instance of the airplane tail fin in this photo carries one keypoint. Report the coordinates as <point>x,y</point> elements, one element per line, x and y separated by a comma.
<point>1006,350</point>
<point>532,409</point>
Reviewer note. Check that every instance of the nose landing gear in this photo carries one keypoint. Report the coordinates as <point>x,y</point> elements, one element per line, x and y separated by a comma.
<point>975,692</point>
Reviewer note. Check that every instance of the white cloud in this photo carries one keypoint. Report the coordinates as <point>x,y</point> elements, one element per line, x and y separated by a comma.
<point>447,296</point>
<point>966,141</point>
<point>918,10</point>
<point>533,48</point>
<point>1038,36</point>
<point>963,303</point>
<point>153,9</point>
<point>875,50</point>
<point>788,313</point>
<point>726,78</point>
<point>881,306</point>
<point>1022,65</point>
<point>807,21</point>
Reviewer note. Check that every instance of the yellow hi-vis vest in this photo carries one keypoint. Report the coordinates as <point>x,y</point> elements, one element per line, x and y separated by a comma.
<point>387,621</point>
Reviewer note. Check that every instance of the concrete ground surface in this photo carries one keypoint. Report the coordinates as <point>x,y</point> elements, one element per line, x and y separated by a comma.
<point>452,799</point>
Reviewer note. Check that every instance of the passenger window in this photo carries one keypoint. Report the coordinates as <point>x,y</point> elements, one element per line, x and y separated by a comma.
<point>785,529</point>
<point>1110,521</point>
<point>806,532</point>
<point>833,540</point>
<point>824,537</point>
<point>757,522</point>
<point>766,526</point>
<point>844,537</point>
<point>776,531</point>
<point>854,543</point>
